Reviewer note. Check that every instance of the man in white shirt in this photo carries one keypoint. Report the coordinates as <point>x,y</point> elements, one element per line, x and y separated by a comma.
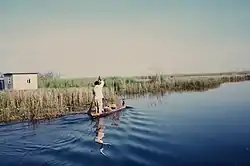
<point>97,91</point>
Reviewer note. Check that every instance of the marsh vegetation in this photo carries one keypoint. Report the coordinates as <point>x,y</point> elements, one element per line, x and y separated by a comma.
<point>56,97</point>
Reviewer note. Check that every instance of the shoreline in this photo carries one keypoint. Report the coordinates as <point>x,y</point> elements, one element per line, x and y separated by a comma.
<point>40,120</point>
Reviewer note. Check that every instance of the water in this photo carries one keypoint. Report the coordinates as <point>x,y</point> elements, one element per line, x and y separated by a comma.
<point>200,128</point>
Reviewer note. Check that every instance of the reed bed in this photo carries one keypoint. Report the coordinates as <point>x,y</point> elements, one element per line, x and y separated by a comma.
<point>47,103</point>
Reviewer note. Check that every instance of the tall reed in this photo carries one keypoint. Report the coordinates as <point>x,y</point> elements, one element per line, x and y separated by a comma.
<point>45,103</point>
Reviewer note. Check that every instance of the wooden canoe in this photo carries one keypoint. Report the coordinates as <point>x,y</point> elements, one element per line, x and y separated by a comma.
<point>106,112</point>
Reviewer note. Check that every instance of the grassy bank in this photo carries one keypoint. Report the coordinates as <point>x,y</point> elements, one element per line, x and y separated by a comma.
<point>46,103</point>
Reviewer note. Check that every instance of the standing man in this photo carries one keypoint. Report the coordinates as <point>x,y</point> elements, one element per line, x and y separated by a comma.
<point>97,91</point>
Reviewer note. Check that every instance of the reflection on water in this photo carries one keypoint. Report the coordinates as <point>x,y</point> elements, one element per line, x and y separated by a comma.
<point>100,134</point>
<point>115,118</point>
<point>99,130</point>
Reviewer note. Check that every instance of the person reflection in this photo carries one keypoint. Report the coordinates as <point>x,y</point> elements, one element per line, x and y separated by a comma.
<point>100,134</point>
<point>99,131</point>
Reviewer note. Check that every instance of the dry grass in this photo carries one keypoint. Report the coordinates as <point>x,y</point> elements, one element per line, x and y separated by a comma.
<point>45,103</point>
<point>50,103</point>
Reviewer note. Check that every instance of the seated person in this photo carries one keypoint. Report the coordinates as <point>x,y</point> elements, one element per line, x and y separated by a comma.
<point>111,107</point>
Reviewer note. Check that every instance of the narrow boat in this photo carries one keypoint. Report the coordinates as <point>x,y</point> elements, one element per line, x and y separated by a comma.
<point>107,111</point>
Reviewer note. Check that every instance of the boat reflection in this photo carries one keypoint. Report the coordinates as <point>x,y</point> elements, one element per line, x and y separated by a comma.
<point>115,118</point>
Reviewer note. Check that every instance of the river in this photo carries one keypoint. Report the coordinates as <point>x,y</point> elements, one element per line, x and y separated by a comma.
<point>191,128</point>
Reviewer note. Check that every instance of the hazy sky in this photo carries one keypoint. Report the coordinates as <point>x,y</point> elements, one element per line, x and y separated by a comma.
<point>129,37</point>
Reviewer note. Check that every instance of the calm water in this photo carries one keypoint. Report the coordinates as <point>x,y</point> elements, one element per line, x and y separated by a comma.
<point>201,128</point>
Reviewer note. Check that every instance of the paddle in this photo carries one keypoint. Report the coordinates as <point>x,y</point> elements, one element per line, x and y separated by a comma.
<point>91,104</point>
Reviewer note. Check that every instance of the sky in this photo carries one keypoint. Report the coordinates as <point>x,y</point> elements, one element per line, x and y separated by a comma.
<point>80,38</point>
